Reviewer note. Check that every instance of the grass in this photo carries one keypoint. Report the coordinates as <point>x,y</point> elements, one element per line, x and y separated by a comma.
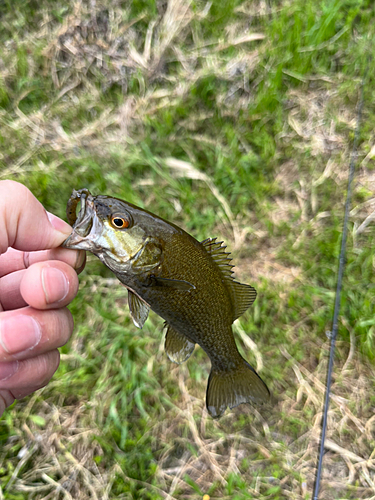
<point>233,119</point>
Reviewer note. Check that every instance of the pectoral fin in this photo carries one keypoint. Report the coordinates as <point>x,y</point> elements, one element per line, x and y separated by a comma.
<point>177,346</point>
<point>183,286</point>
<point>138,309</point>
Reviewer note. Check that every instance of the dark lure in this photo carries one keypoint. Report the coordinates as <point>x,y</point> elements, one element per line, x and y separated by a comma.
<point>187,282</point>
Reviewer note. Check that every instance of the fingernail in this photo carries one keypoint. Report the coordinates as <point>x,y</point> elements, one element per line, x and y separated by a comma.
<point>55,285</point>
<point>59,224</point>
<point>7,370</point>
<point>80,259</point>
<point>19,333</point>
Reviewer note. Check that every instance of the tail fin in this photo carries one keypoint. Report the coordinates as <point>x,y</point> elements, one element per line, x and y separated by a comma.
<point>242,385</point>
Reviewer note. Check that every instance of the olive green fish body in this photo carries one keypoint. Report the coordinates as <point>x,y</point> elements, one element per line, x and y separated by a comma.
<point>188,283</point>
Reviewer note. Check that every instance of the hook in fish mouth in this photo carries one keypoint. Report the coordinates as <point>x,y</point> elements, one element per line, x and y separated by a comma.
<point>85,224</point>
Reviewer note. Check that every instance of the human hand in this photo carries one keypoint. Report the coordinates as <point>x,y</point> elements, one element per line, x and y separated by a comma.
<point>37,281</point>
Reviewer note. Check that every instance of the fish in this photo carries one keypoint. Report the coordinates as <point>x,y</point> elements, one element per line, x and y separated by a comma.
<point>188,283</point>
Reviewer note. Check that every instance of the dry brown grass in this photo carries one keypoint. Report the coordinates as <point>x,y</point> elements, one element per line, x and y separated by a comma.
<point>348,466</point>
<point>64,448</point>
<point>208,451</point>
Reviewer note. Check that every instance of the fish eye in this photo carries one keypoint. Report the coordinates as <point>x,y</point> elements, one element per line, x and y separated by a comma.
<point>119,221</point>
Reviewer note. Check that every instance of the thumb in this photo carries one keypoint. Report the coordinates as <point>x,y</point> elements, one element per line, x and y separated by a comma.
<point>24,223</point>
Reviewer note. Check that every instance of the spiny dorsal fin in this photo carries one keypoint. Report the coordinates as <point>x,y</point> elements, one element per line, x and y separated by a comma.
<point>217,252</point>
<point>242,295</point>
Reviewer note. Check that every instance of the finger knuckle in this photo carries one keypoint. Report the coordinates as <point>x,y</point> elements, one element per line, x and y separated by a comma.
<point>69,326</point>
<point>10,186</point>
<point>46,366</point>
<point>64,326</point>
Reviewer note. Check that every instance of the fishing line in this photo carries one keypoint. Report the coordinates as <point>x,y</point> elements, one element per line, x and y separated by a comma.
<point>339,287</point>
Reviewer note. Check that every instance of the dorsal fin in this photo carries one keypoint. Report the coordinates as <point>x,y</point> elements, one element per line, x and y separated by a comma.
<point>217,251</point>
<point>242,295</point>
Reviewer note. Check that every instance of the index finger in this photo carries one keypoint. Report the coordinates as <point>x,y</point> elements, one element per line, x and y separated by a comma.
<point>15,260</point>
<point>24,223</point>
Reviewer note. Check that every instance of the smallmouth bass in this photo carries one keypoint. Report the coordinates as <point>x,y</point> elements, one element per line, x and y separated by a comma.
<point>187,282</point>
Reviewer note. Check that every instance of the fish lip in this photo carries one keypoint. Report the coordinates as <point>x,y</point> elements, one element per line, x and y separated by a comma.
<point>87,225</point>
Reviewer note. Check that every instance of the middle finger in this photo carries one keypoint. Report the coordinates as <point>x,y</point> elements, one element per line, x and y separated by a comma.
<point>45,285</point>
<point>15,260</point>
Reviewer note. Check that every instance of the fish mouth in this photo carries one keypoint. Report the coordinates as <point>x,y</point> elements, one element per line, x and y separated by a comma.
<point>87,225</point>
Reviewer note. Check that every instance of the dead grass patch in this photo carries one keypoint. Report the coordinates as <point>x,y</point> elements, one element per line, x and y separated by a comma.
<point>58,458</point>
<point>348,467</point>
<point>98,47</point>
<point>266,266</point>
<point>60,454</point>
<point>308,119</point>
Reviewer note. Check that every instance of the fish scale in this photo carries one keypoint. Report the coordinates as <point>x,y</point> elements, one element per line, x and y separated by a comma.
<point>188,283</point>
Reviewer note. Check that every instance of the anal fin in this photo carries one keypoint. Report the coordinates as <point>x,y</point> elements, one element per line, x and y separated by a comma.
<point>177,346</point>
